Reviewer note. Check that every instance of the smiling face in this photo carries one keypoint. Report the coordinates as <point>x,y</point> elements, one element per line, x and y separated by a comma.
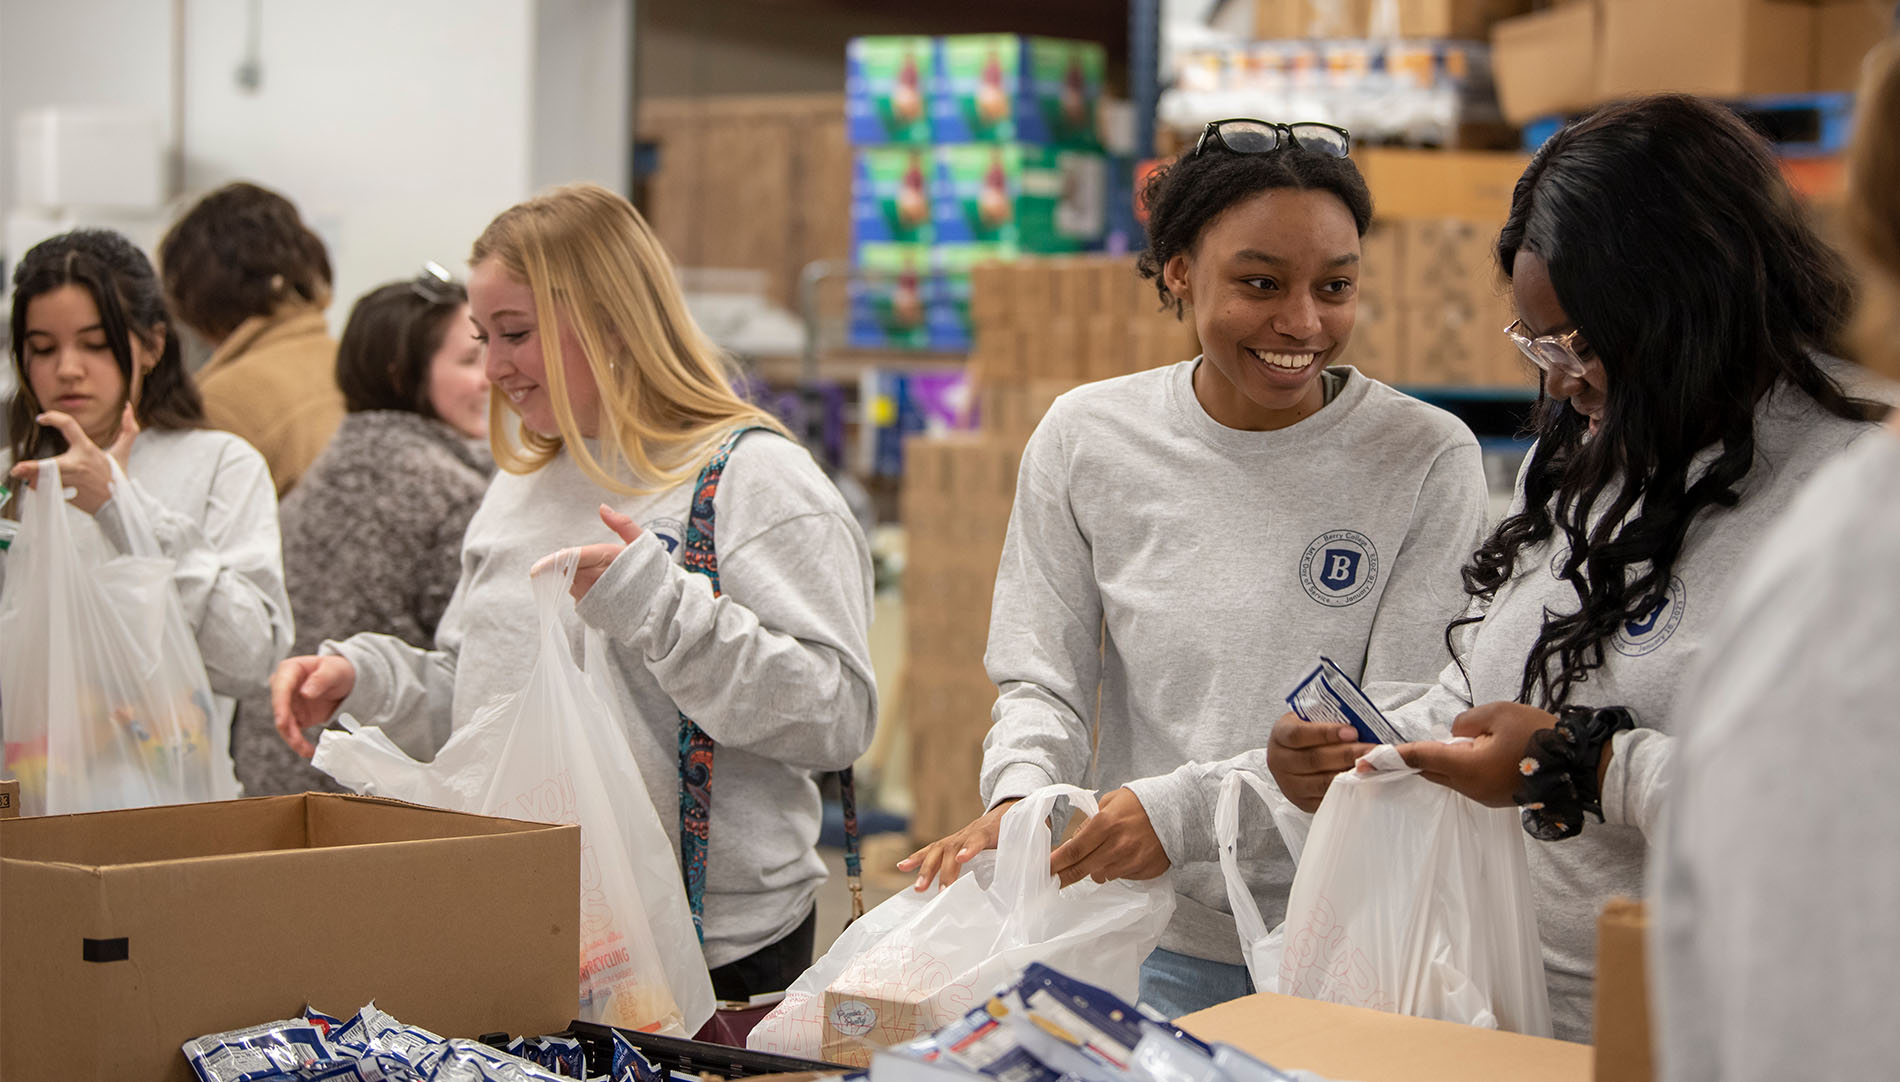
<point>1543,314</point>
<point>458,388</point>
<point>501,306</point>
<point>1273,284</point>
<point>69,361</point>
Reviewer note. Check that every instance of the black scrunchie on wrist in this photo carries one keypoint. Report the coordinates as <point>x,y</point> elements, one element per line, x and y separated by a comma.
<point>1560,770</point>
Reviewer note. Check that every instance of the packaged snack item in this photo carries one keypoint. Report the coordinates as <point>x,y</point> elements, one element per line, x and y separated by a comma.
<point>262,1053</point>
<point>1328,694</point>
<point>982,1042</point>
<point>562,1055</point>
<point>631,1065</point>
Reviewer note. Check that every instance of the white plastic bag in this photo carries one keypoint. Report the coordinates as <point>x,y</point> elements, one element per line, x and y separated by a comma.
<point>796,1026</point>
<point>555,753</point>
<point>1260,946</point>
<point>105,699</point>
<point>946,956</point>
<point>1413,899</point>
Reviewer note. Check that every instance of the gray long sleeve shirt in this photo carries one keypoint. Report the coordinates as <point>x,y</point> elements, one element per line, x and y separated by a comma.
<point>1193,573</point>
<point>1643,669</point>
<point>777,670</point>
<point>1776,882</point>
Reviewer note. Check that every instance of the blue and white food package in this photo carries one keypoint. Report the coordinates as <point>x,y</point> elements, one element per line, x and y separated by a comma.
<point>1329,695</point>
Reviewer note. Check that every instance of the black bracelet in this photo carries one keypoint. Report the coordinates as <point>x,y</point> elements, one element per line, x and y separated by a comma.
<point>1560,770</point>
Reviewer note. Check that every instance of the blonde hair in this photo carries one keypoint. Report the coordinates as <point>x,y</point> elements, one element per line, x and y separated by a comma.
<point>666,393</point>
<point>1872,213</point>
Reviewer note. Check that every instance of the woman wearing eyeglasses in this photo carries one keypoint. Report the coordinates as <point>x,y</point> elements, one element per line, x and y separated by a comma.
<point>373,531</point>
<point>1679,304</point>
<point>630,442</point>
<point>1187,542</point>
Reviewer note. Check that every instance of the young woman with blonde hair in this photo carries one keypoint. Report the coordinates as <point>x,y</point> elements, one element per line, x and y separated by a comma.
<point>625,415</point>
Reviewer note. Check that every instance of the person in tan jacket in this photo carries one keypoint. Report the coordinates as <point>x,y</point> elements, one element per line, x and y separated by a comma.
<point>243,271</point>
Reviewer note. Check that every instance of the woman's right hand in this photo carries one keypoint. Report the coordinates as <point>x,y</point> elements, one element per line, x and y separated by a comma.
<point>305,692</point>
<point>1305,756</point>
<point>85,467</point>
<point>946,858</point>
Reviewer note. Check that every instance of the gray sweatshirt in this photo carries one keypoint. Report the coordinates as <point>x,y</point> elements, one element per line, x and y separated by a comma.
<point>777,670</point>
<point>1193,573</point>
<point>1776,881</point>
<point>1643,669</point>
<point>209,497</point>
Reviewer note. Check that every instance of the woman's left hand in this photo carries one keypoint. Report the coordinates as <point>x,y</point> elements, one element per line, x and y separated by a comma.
<point>593,560</point>
<point>1486,770</point>
<point>1117,842</point>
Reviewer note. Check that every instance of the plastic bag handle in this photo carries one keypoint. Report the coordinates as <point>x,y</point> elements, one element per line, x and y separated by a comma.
<point>1023,883</point>
<point>551,589</point>
<point>1247,919</point>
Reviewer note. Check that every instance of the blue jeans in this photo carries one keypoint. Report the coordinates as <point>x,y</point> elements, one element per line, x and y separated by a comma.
<point>1176,984</point>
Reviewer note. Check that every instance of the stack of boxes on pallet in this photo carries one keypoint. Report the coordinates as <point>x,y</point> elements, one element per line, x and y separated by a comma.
<point>1042,326</point>
<point>965,149</point>
<point>1431,308</point>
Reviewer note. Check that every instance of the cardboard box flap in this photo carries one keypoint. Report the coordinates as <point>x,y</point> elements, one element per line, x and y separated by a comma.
<point>236,828</point>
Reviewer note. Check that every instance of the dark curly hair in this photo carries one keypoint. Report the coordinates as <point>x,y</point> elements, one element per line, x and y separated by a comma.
<point>125,289</point>
<point>238,253</point>
<point>1676,247</point>
<point>382,360</point>
<point>1182,197</point>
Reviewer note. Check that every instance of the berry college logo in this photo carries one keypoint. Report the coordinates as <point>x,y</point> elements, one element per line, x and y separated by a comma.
<point>1340,567</point>
<point>1638,637</point>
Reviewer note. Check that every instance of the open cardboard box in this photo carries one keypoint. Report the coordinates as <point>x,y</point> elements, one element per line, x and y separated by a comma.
<point>1338,1041</point>
<point>124,934</point>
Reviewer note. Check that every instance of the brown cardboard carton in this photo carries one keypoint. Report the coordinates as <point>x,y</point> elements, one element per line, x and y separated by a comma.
<point>1474,185</point>
<point>1465,19</point>
<point>124,934</point>
<point>1274,19</point>
<point>1448,259</point>
<point>9,798</point>
<point>1844,32</point>
<point>1377,346</point>
<point>1382,260</point>
<point>1337,1041</point>
<point>1720,48</point>
<point>1624,1050</point>
<point>1546,62</point>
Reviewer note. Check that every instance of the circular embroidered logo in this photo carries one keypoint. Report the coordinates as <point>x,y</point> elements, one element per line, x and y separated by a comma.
<point>668,530</point>
<point>1340,567</point>
<point>853,1018</point>
<point>1644,634</point>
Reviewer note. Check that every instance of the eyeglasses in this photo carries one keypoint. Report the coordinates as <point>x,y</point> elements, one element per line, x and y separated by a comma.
<point>1551,352</point>
<point>435,285</point>
<point>1240,135</point>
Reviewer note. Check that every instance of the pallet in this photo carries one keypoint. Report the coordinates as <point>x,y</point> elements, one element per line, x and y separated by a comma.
<point>1799,125</point>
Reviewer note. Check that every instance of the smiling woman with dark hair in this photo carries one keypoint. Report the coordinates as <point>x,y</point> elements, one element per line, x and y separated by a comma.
<point>1187,541</point>
<point>1679,305</point>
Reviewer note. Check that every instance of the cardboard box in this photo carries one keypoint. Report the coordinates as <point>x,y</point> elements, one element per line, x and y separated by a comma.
<point>1469,20</point>
<point>124,934</point>
<point>1382,260</point>
<point>1377,346</point>
<point>1023,197</point>
<point>1448,260</point>
<point>1719,48</point>
<point>9,798</point>
<point>1844,32</point>
<point>1279,19</point>
<point>1337,1041</point>
<point>1623,1042</point>
<point>1458,343</point>
<point>890,195</point>
<point>1004,88</point>
<point>1474,185</point>
<point>1546,63</point>
<point>888,86</point>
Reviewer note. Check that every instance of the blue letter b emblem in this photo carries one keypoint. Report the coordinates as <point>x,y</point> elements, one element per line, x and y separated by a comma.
<point>1342,568</point>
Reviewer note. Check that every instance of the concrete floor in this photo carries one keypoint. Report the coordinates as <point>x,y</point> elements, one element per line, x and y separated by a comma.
<point>880,882</point>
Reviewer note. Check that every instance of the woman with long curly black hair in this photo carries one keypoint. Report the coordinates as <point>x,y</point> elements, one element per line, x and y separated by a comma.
<point>1680,307</point>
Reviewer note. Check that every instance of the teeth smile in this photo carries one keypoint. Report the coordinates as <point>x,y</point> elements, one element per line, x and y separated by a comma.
<point>515,394</point>
<point>1292,362</point>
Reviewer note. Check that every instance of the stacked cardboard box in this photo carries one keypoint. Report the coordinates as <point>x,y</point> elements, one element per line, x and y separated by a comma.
<point>1362,18</point>
<point>1582,52</point>
<point>965,148</point>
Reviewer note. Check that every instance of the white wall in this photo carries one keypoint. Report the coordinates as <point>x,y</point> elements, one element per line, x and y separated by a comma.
<point>400,127</point>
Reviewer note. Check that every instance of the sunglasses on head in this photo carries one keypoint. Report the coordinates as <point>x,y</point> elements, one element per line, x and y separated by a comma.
<point>1241,135</point>
<point>435,285</point>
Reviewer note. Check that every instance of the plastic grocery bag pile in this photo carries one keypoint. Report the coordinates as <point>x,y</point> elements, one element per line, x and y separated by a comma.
<point>373,1047</point>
